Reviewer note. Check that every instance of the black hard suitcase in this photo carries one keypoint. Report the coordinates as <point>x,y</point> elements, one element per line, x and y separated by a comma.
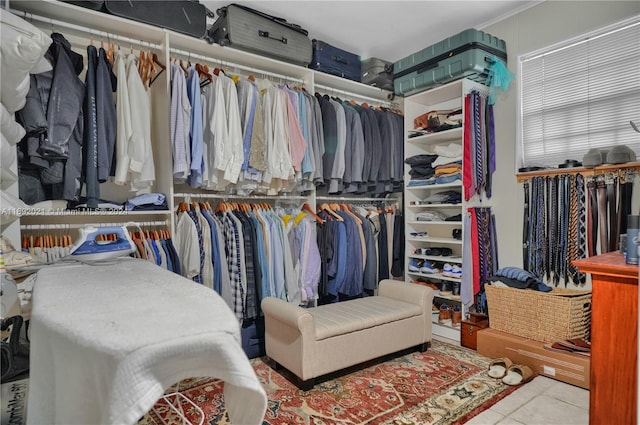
<point>465,55</point>
<point>335,61</point>
<point>253,31</point>
<point>377,72</point>
<point>183,16</point>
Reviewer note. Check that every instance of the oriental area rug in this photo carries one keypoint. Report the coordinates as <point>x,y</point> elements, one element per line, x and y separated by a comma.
<point>444,385</point>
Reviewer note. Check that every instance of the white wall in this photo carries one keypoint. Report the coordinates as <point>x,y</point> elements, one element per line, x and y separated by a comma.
<point>545,24</point>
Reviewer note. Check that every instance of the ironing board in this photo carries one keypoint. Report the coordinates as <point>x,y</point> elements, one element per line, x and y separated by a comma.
<point>107,340</point>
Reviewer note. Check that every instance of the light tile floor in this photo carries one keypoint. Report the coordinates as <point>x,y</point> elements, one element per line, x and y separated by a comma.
<point>543,401</point>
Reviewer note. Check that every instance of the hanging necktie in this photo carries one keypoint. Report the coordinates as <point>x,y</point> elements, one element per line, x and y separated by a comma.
<point>477,138</point>
<point>468,175</point>
<point>547,236</point>
<point>553,228</point>
<point>592,218</point>
<point>525,228</point>
<point>581,278</point>
<point>572,233</point>
<point>491,148</point>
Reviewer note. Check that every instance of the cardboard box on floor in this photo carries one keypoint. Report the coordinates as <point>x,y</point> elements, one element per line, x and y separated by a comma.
<point>570,368</point>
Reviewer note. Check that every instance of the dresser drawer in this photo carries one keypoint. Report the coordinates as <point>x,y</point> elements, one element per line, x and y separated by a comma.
<point>469,333</point>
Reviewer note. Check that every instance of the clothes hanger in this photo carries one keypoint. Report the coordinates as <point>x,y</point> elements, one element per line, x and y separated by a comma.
<point>327,208</point>
<point>306,207</point>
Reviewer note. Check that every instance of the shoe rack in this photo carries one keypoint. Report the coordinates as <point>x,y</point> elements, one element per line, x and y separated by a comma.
<point>423,236</point>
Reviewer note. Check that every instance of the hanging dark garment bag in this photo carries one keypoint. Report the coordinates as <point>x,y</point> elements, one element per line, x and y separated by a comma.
<point>183,16</point>
<point>250,30</point>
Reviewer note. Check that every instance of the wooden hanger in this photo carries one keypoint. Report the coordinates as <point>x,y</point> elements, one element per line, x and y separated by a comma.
<point>327,208</point>
<point>306,207</point>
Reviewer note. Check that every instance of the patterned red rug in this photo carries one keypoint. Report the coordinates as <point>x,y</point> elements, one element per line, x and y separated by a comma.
<point>444,385</point>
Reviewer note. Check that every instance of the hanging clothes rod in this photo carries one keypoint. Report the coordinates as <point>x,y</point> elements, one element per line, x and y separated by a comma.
<point>349,94</point>
<point>234,65</point>
<point>355,199</point>
<point>245,197</point>
<point>92,32</point>
<point>62,226</point>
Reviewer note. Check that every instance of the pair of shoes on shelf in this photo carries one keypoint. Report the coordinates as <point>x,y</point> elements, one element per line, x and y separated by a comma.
<point>452,270</point>
<point>445,314</point>
<point>510,374</point>
<point>456,316</point>
<point>422,266</point>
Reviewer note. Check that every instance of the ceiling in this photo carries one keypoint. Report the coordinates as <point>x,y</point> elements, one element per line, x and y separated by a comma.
<point>388,30</point>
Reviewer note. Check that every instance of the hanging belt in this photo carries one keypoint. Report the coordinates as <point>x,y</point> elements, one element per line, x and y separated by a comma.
<point>613,214</point>
<point>541,250</point>
<point>602,212</point>
<point>525,228</point>
<point>626,190</point>
<point>592,218</point>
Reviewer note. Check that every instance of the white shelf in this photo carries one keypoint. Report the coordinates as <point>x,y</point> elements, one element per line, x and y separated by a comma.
<point>452,135</point>
<point>445,223</point>
<point>446,331</point>
<point>458,206</point>
<point>436,240</point>
<point>456,260</point>
<point>457,184</point>
<point>438,276</point>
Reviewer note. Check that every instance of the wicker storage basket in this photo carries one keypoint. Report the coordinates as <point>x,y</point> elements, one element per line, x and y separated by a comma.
<point>542,316</point>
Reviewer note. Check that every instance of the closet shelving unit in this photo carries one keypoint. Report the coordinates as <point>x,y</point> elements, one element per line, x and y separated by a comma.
<point>439,233</point>
<point>80,26</point>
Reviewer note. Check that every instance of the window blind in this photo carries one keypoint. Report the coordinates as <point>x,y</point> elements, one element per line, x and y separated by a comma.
<point>580,95</point>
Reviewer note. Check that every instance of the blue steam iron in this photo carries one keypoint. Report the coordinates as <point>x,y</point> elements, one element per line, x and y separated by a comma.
<point>89,247</point>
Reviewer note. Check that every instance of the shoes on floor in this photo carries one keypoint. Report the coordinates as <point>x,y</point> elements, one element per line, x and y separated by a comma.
<point>498,367</point>
<point>517,374</point>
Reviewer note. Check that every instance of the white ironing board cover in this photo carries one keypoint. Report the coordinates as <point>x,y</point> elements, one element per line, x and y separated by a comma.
<point>107,340</point>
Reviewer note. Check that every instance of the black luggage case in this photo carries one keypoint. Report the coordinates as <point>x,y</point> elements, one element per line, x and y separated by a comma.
<point>335,61</point>
<point>183,16</point>
<point>250,30</point>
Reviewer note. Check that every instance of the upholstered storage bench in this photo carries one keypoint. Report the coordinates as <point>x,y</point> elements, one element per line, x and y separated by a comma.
<point>311,342</point>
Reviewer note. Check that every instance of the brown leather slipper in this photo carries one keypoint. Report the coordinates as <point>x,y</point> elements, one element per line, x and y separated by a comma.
<point>576,344</point>
<point>498,367</point>
<point>517,374</point>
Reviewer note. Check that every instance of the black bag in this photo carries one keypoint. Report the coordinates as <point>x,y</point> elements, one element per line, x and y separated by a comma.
<point>335,61</point>
<point>183,16</point>
<point>250,30</point>
<point>14,356</point>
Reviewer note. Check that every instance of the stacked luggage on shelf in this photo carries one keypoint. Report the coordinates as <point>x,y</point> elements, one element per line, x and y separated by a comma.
<point>184,16</point>
<point>335,61</point>
<point>250,30</point>
<point>468,54</point>
<point>378,73</point>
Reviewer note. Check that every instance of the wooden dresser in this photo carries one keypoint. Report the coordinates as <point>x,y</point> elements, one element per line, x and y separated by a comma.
<point>614,339</point>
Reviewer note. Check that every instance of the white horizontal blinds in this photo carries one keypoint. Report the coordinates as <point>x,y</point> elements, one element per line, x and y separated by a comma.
<point>581,96</point>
